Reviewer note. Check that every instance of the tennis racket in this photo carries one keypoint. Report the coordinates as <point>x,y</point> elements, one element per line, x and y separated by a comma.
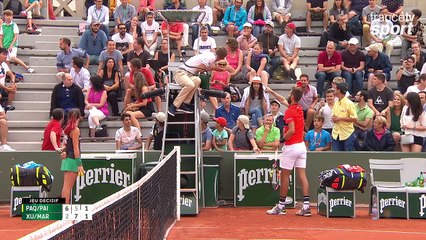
<point>275,173</point>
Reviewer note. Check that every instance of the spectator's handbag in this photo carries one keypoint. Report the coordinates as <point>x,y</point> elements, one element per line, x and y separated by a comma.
<point>407,139</point>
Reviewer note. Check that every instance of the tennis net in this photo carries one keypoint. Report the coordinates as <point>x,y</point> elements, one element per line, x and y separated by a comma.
<point>146,209</point>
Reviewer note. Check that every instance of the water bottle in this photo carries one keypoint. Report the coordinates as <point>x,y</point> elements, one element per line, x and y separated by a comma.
<point>374,209</point>
<point>421,180</point>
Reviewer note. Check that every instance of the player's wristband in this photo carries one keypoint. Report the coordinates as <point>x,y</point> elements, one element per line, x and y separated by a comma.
<point>78,160</point>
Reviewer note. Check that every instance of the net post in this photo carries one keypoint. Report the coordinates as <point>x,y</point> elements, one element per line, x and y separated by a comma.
<point>177,183</point>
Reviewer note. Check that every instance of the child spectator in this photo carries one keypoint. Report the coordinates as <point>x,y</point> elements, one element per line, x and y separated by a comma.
<point>53,131</point>
<point>220,135</point>
<point>318,139</point>
<point>156,133</point>
<point>325,109</point>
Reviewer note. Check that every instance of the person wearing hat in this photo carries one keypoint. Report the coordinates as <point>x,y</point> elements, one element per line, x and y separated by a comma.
<point>156,132</point>
<point>246,40</point>
<point>289,46</point>
<point>206,132</point>
<point>258,15</point>
<point>353,63</point>
<point>281,11</point>
<point>128,137</point>
<point>376,62</point>
<point>242,137</point>
<point>234,19</point>
<point>344,116</point>
<point>268,136</point>
<point>220,135</point>
<point>316,9</point>
<point>339,33</point>
<point>329,66</point>
<point>255,102</point>
<point>269,43</point>
<point>93,42</point>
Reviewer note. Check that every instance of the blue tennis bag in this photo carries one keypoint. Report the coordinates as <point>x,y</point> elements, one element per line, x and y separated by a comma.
<point>344,177</point>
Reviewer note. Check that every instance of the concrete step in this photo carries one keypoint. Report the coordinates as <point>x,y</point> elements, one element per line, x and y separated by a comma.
<point>36,86</point>
<point>38,52</point>
<point>26,145</point>
<point>59,22</point>
<point>31,105</point>
<point>29,115</point>
<point>42,61</point>
<point>35,96</point>
<point>63,31</point>
<point>37,69</point>
<point>40,78</point>
<point>25,135</point>
<point>30,40</point>
<point>22,124</point>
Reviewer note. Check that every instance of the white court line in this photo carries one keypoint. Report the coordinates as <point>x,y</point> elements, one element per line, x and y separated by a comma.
<point>322,229</point>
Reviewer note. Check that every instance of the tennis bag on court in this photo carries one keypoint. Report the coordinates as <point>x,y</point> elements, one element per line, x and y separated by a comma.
<point>344,177</point>
<point>31,175</point>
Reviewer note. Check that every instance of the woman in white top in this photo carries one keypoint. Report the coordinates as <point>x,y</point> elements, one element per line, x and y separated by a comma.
<point>413,121</point>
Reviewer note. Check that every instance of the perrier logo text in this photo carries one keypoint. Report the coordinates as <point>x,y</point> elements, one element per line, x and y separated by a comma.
<point>339,202</point>
<point>251,178</point>
<point>391,202</point>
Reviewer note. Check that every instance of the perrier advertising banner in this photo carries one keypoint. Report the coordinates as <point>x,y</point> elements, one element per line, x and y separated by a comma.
<point>252,181</point>
<point>105,174</point>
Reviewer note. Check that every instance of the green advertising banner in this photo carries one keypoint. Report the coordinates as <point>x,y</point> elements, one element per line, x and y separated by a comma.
<point>416,202</point>
<point>333,203</point>
<point>105,174</point>
<point>252,181</point>
<point>393,204</point>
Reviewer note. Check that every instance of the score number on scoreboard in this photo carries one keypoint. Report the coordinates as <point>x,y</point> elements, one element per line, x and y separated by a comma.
<point>76,212</point>
<point>54,209</point>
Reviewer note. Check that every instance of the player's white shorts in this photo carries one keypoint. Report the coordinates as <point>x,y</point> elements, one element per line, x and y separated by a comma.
<point>293,156</point>
<point>11,54</point>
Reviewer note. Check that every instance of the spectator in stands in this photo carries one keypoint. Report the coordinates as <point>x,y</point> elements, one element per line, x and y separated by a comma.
<point>6,91</point>
<point>168,3</point>
<point>228,111</point>
<point>419,55</point>
<point>162,56</point>
<point>206,132</point>
<point>258,15</point>
<point>337,10</point>
<point>353,64</point>
<point>235,59</point>
<point>355,7</point>
<point>407,75</point>
<point>278,115</point>
<point>67,53</point>
<point>141,108</point>
<point>325,109</point>
<point>96,104</point>
<point>255,102</point>
<point>111,83</point>
<point>242,137</point>
<point>364,113</point>
<point>204,43</point>
<point>376,62</point>
<point>93,42</point>
<point>80,75</point>
<point>380,35</point>
<point>100,13</point>
<point>187,78</point>
<point>4,129</point>
<point>269,43</point>
<point>419,87</point>
<point>415,34</point>
<point>308,101</point>
<point>156,133</point>
<point>219,81</point>
<point>234,19</point>
<point>123,41</point>
<point>124,12</point>
<point>128,137</point>
<point>422,96</point>
<point>329,66</point>
<point>396,8</point>
<point>413,121</point>
<point>111,52</point>
<point>339,33</point>
<point>133,28</point>
<point>9,32</point>
<point>393,117</point>
<point>378,138</point>
<point>369,13</point>
<point>150,30</point>
<point>174,32</point>
<point>256,63</point>
<point>220,135</point>
<point>66,95</point>
<point>31,7</point>
<point>145,6</point>
<point>53,132</point>
<point>318,139</point>
<point>246,40</point>
<point>177,5</point>
<point>219,8</point>
<point>268,136</point>
<point>281,11</point>
<point>139,52</point>
<point>317,9</point>
<point>207,21</point>
<point>344,115</point>
<point>289,46</point>
<point>380,96</point>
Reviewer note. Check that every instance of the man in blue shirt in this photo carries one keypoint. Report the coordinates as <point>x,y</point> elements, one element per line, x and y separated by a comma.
<point>234,19</point>
<point>228,111</point>
<point>93,42</point>
<point>65,56</point>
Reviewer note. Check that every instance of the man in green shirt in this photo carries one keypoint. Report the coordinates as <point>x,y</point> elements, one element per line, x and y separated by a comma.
<point>364,113</point>
<point>268,136</point>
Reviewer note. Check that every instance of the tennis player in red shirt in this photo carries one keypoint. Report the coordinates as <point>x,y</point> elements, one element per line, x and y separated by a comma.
<point>293,155</point>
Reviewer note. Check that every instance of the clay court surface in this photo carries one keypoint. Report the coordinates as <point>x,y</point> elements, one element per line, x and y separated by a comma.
<point>253,223</point>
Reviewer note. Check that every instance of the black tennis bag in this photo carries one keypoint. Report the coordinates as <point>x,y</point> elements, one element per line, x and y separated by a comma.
<point>39,176</point>
<point>344,177</point>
